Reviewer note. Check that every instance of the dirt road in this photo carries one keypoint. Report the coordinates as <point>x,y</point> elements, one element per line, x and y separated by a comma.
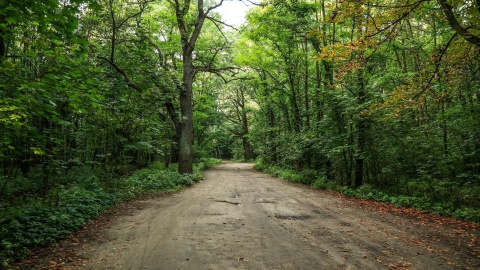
<point>238,218</point>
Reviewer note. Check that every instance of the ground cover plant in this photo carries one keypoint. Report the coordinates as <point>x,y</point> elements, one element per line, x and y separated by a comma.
<point>39,222</point>
<point>446,200</point>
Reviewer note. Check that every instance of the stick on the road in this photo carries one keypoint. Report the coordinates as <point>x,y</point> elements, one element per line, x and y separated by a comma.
<point>227,202</point>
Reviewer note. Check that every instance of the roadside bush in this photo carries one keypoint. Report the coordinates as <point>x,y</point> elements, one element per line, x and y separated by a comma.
<point>325,184</point>
<point>259,165</point>
<point>67,209</point>
<point>40,223</point>
<point>468,214</point>
<point>289,175</point>
<point>445,208</point>
<point>307,177</point>
<point>447,198</point>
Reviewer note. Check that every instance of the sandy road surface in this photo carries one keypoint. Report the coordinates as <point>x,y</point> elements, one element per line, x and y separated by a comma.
<point>238,218</point>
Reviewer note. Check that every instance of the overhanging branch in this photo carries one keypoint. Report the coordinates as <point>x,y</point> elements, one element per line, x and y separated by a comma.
<point>437,67</point>
<point>217,71</point>
<point>447,9</point>
<point>216,22</point>
<point>122,72</point>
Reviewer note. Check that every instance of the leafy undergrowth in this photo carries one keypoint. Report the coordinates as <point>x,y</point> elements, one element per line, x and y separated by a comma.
<point>422,201</point>
<point>39,223</point>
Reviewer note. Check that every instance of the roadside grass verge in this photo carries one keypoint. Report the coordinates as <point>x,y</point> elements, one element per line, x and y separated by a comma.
<point>462,205</point>
<point>66,209</point>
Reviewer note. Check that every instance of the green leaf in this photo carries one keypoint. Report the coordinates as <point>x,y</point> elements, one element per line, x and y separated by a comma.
<point>11,20</point>
<point>37,151</point>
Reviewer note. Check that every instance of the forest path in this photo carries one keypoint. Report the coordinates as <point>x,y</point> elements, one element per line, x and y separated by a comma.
<point>238,218</point>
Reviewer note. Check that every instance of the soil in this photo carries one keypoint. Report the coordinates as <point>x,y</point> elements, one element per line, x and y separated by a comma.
<point>238,218</point>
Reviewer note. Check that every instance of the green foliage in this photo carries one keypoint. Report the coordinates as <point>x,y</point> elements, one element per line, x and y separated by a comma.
<point>153,179</point>
<point>364,110</point>
<point>67,209</point>
<point>205,163</point>
<point>39,223</point>
<point>306,177</point>
<point>467,213</point>
<point>463,204</point>
<point>428,202</point>
<point>323,183</point>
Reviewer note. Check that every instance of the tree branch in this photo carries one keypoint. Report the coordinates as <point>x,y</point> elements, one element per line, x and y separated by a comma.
<point>437,67</point>
<point>122,72</point>
<point>447,9</point>
<point>215,21</point>
<point>394,23</point>
<point>142,6</point>
<point>161,56</point>
<point>202,15</point>
<point>217,71</point>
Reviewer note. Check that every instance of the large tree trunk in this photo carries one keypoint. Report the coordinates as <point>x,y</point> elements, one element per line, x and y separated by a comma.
<point>185,143</point>
<point>188,40</point>
<point>173,155</point>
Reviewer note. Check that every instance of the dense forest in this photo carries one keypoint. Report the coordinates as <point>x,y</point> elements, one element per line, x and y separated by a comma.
<point>379,99</point>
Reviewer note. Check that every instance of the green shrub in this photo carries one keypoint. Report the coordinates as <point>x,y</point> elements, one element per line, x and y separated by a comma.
<point>210,161</point>
<point>66,209</point>
<point>289,175</point>
<point>259,166</point>
<point>468,214</point>
<point>323,183</point>
<point>445,197</point>
<point>320,183</point>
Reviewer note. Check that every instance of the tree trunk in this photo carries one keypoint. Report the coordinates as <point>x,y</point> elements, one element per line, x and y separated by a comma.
<point>188,38</point>
<point>361,127</point>
<point>217,151</point>
<point>271,134</point>
<point>3,50</point>
<point>173,155</point>
<point>307,98</point>
<point>185,143</point>
<point>247,153</point>
<point>294,103</point>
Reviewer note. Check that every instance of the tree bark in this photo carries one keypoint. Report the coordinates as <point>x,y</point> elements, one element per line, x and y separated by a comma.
<point>188,39</point>
<point>3,50</point>
<point>247,152</point>
<point>185,143</point>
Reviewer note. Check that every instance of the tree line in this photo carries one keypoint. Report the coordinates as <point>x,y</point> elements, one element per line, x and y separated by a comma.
<point>378,93</point>
<point>104,86</point>
<point>381,93</point>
